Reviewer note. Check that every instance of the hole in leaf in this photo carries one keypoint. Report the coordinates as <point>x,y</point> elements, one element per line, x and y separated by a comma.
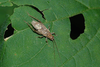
<point>77,26</point>
<point>41,12</point>
<point>9,31</point>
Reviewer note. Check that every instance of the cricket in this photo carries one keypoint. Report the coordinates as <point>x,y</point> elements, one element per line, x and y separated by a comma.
<point>38,27</point>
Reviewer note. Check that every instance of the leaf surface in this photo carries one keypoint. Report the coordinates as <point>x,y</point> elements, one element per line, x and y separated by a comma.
<point>25,49</point>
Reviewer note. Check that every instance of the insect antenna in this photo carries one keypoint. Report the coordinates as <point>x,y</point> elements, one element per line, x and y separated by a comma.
<point>54,53</point>
<point>54,44</point>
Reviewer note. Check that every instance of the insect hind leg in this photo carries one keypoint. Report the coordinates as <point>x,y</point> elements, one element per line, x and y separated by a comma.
<point>34,18</point>
<point>30,26</point>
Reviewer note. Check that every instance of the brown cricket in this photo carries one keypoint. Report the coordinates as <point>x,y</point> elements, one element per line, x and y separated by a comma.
<point>42,30</point>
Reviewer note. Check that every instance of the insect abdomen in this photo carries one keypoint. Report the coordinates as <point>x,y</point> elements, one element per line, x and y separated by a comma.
<point>42,29</point>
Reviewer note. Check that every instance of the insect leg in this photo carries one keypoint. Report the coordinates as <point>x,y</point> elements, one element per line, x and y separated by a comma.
<point>34,18</point>
<point>40,36</point>
<point>30,26</point>
<point>44,10</point>
<point>51,33</point>
<point>49,27</point>
<point>46,40</point>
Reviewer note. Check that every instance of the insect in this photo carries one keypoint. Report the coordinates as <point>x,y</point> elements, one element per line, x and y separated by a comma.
<point>42,30</point>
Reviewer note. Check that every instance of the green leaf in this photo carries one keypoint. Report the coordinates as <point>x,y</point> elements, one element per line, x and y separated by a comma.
<point>5,13</point>
<point>1,1</point>
<point>4,21</point>
<point>5,3</point>
<point>25,49</point>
